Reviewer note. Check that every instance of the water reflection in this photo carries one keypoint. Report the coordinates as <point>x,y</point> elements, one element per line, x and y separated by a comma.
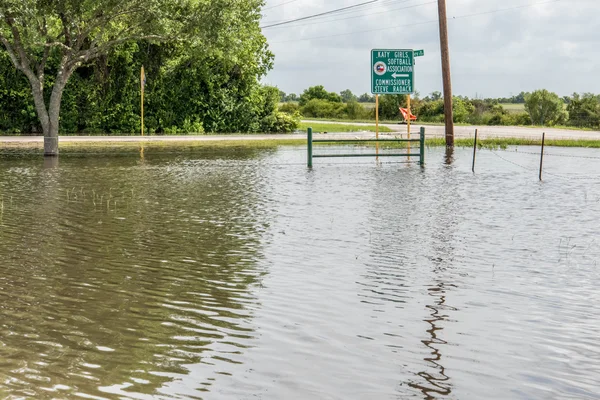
<point>441,250</point>
<point>50,162</point>
<point>115,280</point>
<point>449,156</point>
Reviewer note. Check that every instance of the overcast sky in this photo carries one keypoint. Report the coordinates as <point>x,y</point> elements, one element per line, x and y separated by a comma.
<point>546,44</point>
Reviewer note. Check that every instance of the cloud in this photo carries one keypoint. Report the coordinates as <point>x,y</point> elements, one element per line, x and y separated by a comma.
<point>498,47</point>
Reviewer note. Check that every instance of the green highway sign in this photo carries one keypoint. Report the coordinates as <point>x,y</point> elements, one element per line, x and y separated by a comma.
<point>392,71</point>
<point>419,53</point>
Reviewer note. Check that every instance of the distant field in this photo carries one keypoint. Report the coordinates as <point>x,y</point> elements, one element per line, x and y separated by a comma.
<point>514,108</point>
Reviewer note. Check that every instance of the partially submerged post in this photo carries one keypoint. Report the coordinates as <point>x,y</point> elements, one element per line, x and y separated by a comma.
<point>474,151</point>
<point>542,155</point>
<point>310,147</point>
<point>422,149</point>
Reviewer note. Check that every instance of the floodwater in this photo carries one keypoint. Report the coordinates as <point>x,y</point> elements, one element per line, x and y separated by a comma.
<point>242,275</point>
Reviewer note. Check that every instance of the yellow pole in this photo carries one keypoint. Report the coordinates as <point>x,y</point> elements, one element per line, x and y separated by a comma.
<point>408,123</point>
<point>142,78</point>
<point>377,124</point>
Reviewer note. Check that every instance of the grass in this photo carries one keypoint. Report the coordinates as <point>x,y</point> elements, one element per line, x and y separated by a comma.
<point>85,149</point>
<point>514,108</point>
<point>503,143</point>
<point>161,147</point>
<point>362,121</point>
<point>341,127</point>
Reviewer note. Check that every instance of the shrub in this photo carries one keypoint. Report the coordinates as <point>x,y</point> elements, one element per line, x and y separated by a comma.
<point>289,108</point>
<point>318,108</point>
<point>355,110</point>
<point>285,123</point>
<point>522,119</point>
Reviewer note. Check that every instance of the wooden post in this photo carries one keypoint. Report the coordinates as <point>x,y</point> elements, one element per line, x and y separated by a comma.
<point>474,151</point>
<point>446,73</point>
<point>542,156</point>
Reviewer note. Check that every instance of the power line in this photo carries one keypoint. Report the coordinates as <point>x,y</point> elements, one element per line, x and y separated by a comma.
<point>419,23</point>
<point>320,14</point>
<point>360,16</point>
<point>380,4</point>
<point>279,5</point>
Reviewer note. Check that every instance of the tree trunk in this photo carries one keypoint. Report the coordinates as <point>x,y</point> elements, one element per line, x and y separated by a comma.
<point>51,133</point>
<point>50,138</point>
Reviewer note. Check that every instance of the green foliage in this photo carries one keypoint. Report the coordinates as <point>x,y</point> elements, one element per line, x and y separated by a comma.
<point>289,108</point>
<point>545,108</point>
<point>462,109</point>
<point>203,74</point>
<point>347,96</point>
<point>366,98</point>
<point>292,97</point>
<point>355,110</point>
<point>318,92</point>
<point>285,123</point>
<point>584,110</point>
<point>389,105</point>
<point>317,108</point>
<point>320,108</point>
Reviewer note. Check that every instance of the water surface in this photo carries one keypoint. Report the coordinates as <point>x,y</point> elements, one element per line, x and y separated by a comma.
<point>245,275</point>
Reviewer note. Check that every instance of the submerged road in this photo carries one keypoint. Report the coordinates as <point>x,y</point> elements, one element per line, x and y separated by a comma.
<point>397,129</point>
<point>520,132</point>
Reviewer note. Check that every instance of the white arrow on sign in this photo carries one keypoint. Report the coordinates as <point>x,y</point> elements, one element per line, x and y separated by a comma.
<point>395,75</point>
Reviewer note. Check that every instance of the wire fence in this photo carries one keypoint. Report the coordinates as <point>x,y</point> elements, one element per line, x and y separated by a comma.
<point>502,153</point>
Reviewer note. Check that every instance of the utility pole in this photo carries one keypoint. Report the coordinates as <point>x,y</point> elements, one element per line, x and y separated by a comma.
<point>446,73</point>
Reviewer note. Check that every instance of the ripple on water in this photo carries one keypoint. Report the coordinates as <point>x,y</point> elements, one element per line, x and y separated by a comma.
<point>222,276</point>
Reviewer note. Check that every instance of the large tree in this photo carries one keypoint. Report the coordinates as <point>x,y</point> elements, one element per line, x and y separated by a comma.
<point>544,107</point>
<point>75,32</point>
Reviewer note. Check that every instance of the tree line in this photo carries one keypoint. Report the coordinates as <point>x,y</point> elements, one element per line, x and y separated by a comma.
<point>541,107</point>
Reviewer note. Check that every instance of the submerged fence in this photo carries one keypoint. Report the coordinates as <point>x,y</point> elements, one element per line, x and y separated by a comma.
<point>311,141</point>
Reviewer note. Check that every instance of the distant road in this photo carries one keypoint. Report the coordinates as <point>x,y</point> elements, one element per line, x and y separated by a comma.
<point>431,131</point>
<point>484,131</point>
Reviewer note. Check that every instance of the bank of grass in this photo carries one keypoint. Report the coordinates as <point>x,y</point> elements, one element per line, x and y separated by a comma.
<point>503,143</point>
<point>108,148</point>
<point>341,128</point>
<point>421,123</point>
<point>494,143</point>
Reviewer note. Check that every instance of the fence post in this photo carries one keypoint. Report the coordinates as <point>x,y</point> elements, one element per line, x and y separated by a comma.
<point>474,151</point>
<point>542,156</point>
<point>310,147</point>
<point>422,149</point>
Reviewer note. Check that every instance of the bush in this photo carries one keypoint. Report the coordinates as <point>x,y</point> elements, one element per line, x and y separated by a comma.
<point>318,92</point>
<point>461,110</point>
<point>317,108</point>
<point>389,106</point>
<point>355,110</point>
<point>522,119</point>
<point>289,108</point>
<point>285,123</point>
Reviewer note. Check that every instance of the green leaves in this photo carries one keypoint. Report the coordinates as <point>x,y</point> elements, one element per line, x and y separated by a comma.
<point>203,58</point>
<point>545,108</point>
